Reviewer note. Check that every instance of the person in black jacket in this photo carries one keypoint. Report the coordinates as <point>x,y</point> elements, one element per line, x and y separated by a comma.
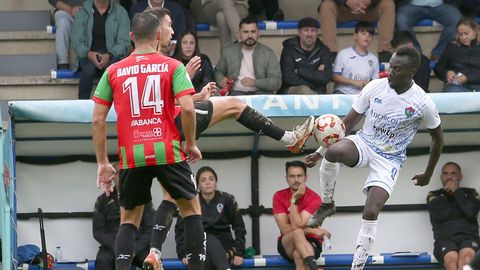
<point>459,66</point>
<point>422,77</point>
<point>105,225</point>
<point>186,51</point>
<point>453,213</point>
<point>306,62</point>
<point>220,215</point>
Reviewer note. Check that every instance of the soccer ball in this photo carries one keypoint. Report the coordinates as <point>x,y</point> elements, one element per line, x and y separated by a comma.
<point>329,128</point>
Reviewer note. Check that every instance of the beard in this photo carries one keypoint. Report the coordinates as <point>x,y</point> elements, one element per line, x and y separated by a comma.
<point>249,42</point>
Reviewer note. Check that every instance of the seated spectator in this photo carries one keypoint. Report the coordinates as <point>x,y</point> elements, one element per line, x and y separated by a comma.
<point>305,61</point>
<point>292,207</point>
<point>356,66</point>
<point>252,66</point>
<point>189,20</point>
<point>272,12</point>
<point>459,66</point>
<point>186,51</point>
<point>220,214</point>
<point>469,8</point>
<point>383,11</point>
<point>422,77</point>
<point>100,37</point>
<point>410,12</point>
<point>64,13</point>
<point>225,14</point>
<point>177,15</point>
<point>453,213</point>
<point>106,223</point>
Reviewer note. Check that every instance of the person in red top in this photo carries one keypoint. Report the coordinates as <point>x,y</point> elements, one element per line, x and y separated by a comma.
<point>292,207</point>
<point>143,87</point>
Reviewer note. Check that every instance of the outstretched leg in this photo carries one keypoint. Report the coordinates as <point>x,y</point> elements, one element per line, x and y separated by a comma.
<point>234,108</point>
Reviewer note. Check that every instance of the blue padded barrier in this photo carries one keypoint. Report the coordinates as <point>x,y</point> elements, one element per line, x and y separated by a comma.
<point>282,25</point>
<point>64,74</point>
<point>399,260</point>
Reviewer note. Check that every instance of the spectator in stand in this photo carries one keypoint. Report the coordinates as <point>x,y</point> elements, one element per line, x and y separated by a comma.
<point>459,66</point>
<point>252,66</point>
<point>410,12</point>
<point>469,8</point>
<point>177,15</point>
<point>65,11</point>
<point>189,54</point>
<point>453,213</point>
<point>305,61</point>
<point>189,20</point>
<point>292,207</point>
<point>422,77</point>
<point>225,14</point>
<point>272,12</point>
<point>356,66</point>
<point>100,37</point>
<point>105,225</point>
<point>221,215</point>
<point>383,11</point>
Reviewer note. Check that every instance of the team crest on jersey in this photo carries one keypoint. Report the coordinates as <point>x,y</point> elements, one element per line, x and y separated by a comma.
<point>370,62</point>
<point>409,112</point>
<point>220,207</point>
<point>140,58</point>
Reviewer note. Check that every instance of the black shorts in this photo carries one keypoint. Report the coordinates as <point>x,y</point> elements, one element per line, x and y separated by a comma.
<point>317,248</point>
<point>204,112</point>
<point>454,243</point>
<point>135,183</point>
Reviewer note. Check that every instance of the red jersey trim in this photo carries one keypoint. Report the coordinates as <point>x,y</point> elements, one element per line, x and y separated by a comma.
<point>189,91</point>
<point>102,101</point>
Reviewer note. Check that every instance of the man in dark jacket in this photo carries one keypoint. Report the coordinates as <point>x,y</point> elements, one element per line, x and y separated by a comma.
<point>105,225</point>
<point>453,213</point>
<point>306,62</point>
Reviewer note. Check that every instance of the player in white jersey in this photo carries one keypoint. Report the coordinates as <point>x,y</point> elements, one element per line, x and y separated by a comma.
<point>393,109</point>
<point>355,66</point>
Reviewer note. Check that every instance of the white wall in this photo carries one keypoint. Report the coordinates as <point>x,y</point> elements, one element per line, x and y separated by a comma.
<point>71,187</point>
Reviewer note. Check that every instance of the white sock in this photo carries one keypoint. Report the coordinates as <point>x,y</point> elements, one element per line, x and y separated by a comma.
<point>467,267</point>
<point>288,138</point>
<point>328,174</point>
<point>158,253</point>
<point>366,237</point>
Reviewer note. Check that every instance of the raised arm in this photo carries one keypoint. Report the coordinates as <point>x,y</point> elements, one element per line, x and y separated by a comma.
<point>436,147</point>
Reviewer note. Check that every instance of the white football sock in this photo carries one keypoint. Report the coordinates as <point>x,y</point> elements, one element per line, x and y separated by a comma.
<point>288,138</point>
<point>366,237</point>
<point>328,174</point>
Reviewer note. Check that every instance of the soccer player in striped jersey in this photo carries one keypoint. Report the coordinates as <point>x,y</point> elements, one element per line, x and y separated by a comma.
<point>144,88</point>
<point>211,112</point>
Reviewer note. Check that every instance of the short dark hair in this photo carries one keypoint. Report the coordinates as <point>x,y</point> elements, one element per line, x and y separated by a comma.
<point>159,12</point>
<point>401,38</point>
<point>308,22</point>
<point>205,169</point>
<point>454,164</point>
<point>144,26</point>
<point>295,163</point>
<point>412,54</point>
<point>365,26</point>
<point>248,20</point>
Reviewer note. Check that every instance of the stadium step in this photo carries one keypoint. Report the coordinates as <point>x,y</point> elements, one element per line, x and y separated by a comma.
<point>30,20</point>
<point>37,87</point>
<point>27,64</point>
